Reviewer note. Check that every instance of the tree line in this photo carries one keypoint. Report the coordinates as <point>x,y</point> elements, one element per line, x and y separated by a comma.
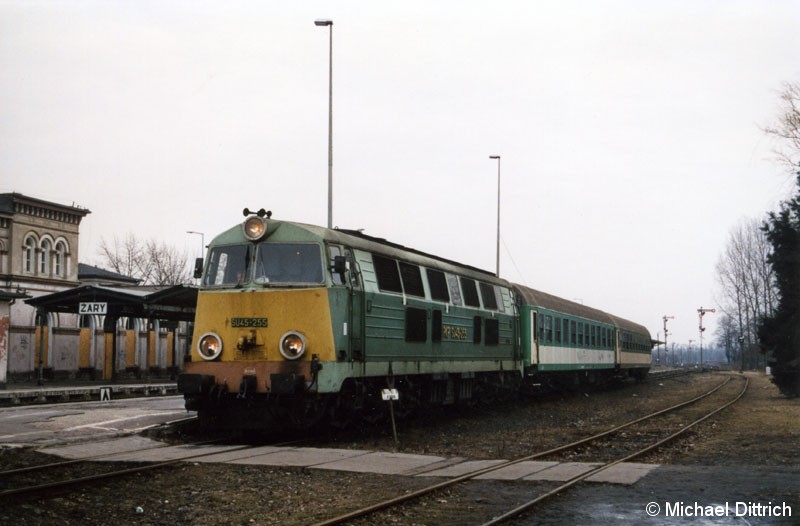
<point>759,272</point>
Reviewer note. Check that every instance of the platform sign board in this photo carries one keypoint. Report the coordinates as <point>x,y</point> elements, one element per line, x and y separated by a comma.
<point>93,307</point>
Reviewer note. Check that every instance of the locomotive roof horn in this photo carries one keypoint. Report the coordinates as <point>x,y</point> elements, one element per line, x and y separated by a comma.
<point>260,213</point>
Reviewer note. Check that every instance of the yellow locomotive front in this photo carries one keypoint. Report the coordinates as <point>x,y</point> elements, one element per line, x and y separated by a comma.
<point>262,327</point>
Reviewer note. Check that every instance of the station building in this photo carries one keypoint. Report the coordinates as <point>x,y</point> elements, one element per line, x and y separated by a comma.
<point>43,336</point>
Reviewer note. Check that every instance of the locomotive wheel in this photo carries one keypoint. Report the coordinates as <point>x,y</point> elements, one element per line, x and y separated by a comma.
<point>308,412</point>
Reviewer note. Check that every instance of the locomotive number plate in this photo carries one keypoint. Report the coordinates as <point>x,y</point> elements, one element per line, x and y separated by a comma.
<point>248,322</point>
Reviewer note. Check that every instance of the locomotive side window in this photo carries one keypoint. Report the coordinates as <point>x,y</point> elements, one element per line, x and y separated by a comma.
<point>227,265</point>
<point>387,274</point>
<point>470,292</point>
<point>412,279</point>
<point>487,294</point>
<point>455,292</point>
<point>438,285</point>
<point>288,263</point>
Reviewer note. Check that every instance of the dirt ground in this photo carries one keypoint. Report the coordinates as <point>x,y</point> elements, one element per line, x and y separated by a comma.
<point>762,430</point>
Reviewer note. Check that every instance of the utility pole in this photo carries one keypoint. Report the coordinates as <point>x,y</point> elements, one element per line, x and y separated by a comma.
<point>666,332</point>
<point>702,312</point>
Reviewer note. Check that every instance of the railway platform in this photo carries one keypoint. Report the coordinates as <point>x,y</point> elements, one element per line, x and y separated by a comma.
<point>54,392</point>
<point>141,449</point>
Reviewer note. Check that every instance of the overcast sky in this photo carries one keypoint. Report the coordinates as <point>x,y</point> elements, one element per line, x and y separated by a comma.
<point>630,132</point>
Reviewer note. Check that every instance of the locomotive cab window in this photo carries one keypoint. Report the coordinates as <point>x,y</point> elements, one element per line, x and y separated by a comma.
<point>227,266</point>
<point>289,263</point>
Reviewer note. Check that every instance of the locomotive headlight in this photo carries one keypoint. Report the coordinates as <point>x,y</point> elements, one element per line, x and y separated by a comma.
<point>293,345</point>
<point>209,346</point>
<point>254,228</point>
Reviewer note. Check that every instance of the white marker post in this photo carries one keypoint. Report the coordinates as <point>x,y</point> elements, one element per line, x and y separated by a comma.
<point>390,395</point>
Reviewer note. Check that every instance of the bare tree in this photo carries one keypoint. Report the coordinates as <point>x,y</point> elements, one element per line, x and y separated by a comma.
<point>747,282</point>
<point>152,262</point>
<point>167,266</point>
<point>786,130</point>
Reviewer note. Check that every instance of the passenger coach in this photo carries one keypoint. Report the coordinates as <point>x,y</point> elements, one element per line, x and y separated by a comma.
<point>567,342</point>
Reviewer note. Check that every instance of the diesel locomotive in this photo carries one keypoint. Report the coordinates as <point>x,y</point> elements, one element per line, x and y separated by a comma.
<point>298,324</point>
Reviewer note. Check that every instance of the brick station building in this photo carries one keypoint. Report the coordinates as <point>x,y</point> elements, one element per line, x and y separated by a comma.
<point>42,335</point>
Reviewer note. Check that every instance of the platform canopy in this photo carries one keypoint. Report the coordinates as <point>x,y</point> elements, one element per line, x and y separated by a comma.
<point>173,303</point>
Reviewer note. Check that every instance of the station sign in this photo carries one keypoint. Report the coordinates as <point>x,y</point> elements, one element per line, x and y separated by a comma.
<point>92,307</point>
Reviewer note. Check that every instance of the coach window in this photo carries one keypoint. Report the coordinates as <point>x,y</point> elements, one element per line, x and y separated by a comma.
<point>594,336</point>
<point>566,331</point>
<point>558,330</point>
<point>438,285</point>
<point>573,332</point>
<point>548,328</point>
<point>412,279</point>
<point>470,292</point>
<point>487,294</point>
<point>580,333</point>
<point>387,274</point>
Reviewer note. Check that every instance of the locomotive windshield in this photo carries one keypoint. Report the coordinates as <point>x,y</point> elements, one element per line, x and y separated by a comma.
<point>275,263</point>
<point>294,263</point>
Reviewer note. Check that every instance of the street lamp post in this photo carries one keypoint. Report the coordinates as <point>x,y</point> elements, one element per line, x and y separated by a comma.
<point>202,240</point>
<point>329,24</point>
<point>497,157</point>
<point>202,249</point>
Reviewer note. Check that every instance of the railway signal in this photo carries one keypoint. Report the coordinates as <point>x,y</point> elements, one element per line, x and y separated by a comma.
<point>666,332</point>
<point>702,312</point>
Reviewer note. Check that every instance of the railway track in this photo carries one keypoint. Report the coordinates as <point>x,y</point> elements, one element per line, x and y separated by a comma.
<point>72,481</point>
<point>370,510</point>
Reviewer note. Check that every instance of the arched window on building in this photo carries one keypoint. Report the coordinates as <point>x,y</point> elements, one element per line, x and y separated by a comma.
<point>44,258</point>
<point>28,255</point>
<point>59,260</point>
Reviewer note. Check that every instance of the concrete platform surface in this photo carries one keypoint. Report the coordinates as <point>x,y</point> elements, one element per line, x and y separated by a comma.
<point>140,449</point>
<point>53,393</point>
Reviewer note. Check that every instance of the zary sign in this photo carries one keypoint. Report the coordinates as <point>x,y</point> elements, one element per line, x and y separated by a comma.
<point>92,307</point>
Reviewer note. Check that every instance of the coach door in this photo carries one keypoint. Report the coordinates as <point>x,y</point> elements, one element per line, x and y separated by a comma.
<point>534,338</point>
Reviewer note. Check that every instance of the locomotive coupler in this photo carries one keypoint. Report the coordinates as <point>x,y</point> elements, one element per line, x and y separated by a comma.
<point>246,342</point>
